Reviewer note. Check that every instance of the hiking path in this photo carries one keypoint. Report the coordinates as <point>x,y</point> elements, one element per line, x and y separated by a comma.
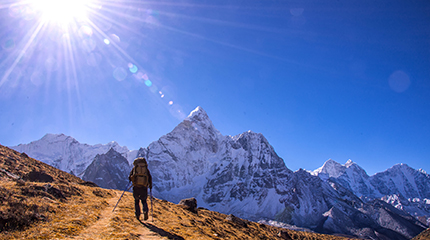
<point>103,226</point>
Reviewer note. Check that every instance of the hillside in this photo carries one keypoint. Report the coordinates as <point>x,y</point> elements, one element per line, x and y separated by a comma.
<point>41,202</point>
<point>425,235</point>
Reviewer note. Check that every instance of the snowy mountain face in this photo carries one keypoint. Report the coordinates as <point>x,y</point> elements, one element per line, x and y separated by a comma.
<point>222,172</point>
<point>404,180</point>
<point>67,154</point>
<point>401,186</point>
<point>351,176</point>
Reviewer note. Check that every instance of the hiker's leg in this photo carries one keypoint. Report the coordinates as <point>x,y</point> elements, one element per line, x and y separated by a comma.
<point>136,196</point>
<point>144,196</point>
<point>144,203</point>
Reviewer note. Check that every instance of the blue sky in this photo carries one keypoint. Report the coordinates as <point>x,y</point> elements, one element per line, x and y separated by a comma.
<point>319,79</point>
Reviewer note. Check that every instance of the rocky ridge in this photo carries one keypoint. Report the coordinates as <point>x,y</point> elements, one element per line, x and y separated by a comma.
<point>401,186</point>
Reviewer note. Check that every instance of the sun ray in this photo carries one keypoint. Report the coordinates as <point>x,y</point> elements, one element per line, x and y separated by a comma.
<point>69,43</point>
<point>21,53</point>
<point>68,50</point>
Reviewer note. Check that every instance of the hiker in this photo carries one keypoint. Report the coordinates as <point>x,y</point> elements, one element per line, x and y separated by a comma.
<point>142,180</point>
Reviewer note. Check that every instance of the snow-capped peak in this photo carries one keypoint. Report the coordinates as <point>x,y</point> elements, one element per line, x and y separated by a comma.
<point>349,163</point>
<point>330,168</point>
<point>400,168</point>
<point>196,112</point>
<point>67,154</point>
<point>199,121</point>
<point>51,138</point>
<point>248,133</point>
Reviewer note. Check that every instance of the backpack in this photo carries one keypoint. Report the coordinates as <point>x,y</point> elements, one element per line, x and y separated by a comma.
<point>140,175</point>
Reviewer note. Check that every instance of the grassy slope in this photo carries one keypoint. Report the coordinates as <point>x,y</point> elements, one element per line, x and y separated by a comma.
<point>66,208</point>
<point>425,235</point>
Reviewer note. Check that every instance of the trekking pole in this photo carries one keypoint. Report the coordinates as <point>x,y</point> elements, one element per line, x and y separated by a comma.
<point>152,209</point>
<point>127,188</point>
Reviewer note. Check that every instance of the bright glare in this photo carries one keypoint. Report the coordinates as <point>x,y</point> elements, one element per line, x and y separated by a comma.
<point>61,11</point>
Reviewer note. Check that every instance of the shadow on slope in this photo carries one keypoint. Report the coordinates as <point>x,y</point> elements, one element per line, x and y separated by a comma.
<point>161,232</point>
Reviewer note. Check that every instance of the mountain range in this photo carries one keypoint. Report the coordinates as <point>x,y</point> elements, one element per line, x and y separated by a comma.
<point>67,154</point>
<point>243,175</point>
<point>39,201</point>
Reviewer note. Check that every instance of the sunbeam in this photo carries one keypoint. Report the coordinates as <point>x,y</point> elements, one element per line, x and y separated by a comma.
<point>87,40</point>
<point>21,53</point>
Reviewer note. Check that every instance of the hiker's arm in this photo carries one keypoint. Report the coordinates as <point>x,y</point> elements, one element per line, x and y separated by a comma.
<point>131,173</point>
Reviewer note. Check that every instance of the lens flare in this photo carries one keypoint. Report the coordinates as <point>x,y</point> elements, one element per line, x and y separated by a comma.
<point>399,81</point>
<point>133,68</point>
<point>8,44</point>
<point>119,74</point>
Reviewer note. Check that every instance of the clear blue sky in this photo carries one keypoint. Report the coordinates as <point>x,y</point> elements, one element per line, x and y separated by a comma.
<point>319,79</point>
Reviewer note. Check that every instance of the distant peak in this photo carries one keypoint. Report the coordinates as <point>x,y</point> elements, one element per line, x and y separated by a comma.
<point>331,162</point>
<point>349,163</point>
<point>198,111</point>
<point>199,121</point>
<point>200,117</point>
<point>400,166</point>
<point>331,168</point>
<point>249,132</point>
<point>250,135</point>
<point>112,151</point>
<point>52,136</point>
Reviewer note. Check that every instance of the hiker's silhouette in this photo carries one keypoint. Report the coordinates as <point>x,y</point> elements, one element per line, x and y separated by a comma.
<point>142,180</point>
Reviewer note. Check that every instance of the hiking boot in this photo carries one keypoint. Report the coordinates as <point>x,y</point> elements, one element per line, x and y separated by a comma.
<point>145,216</point>
<point>138,216</point>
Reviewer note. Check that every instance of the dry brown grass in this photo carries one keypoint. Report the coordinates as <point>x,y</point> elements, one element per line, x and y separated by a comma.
<point>174,222</point>
<point>425,235</point>
<point>65,208</point>
<point>47,217</point>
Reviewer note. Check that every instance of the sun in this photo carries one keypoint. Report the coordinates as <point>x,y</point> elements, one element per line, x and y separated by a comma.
<point>61,11</point>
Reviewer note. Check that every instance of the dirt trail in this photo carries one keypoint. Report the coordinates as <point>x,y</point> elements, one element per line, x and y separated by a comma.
<point>101,228</point>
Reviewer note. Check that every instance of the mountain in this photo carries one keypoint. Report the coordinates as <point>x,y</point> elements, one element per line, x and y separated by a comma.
<point>108,170</point>
<point>67,154</point>
<point>403,180</point>
<point>42,202</point>
<point>401,186</point>
<point>350,175</point>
